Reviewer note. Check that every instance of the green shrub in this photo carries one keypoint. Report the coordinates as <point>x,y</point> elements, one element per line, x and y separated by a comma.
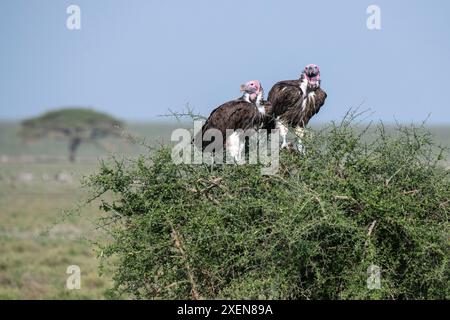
<point>309,232</point>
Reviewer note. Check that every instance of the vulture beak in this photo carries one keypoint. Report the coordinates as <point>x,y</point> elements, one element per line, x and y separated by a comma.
<point>243,87</point>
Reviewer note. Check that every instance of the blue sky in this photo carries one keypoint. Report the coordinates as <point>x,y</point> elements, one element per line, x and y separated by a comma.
<point>136,59</point>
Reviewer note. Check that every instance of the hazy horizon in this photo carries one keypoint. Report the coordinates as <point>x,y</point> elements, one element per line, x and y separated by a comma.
<point>137,59</point>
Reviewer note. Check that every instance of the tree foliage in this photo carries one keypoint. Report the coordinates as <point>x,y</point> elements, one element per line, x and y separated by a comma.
<point>310,232</point>
<point>77,125</point>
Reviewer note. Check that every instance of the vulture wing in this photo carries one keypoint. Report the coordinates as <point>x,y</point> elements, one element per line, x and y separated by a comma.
<point>236,114</point>
<point>313,105</point>
<point>287,103</point>
<point>283,95</point>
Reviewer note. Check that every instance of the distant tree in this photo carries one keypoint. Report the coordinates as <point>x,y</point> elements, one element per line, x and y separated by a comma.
<point>77,125</point>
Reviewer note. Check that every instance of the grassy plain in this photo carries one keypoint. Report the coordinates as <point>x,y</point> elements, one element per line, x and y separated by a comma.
<point>41,230</point>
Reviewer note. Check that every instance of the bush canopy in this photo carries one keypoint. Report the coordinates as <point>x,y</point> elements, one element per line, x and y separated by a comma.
<point>316,230</point>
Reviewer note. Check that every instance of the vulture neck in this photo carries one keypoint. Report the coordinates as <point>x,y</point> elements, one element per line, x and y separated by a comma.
<point>257,102</point>
<point>304,85</point>
<point>259,99</point>
<point>246,97</point>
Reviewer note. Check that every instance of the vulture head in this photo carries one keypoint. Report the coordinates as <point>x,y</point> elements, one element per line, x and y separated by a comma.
<point>311,74</point>
<point>253,91</point>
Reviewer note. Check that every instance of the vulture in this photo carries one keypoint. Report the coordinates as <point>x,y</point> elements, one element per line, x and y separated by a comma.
<point>246,112</point>
<point>294,103</point>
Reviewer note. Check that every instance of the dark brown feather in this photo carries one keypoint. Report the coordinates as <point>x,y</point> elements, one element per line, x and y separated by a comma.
<point>287,98</point>
<point>235,115</point>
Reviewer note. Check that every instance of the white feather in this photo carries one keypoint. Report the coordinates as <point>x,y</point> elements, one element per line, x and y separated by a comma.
<point>283,131</point>
<point>258,103</point>
<point>233,146</point>
<point>247,97</point>
<point>304,86</point>
<point>311,98</point>
<point>304,103</point>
